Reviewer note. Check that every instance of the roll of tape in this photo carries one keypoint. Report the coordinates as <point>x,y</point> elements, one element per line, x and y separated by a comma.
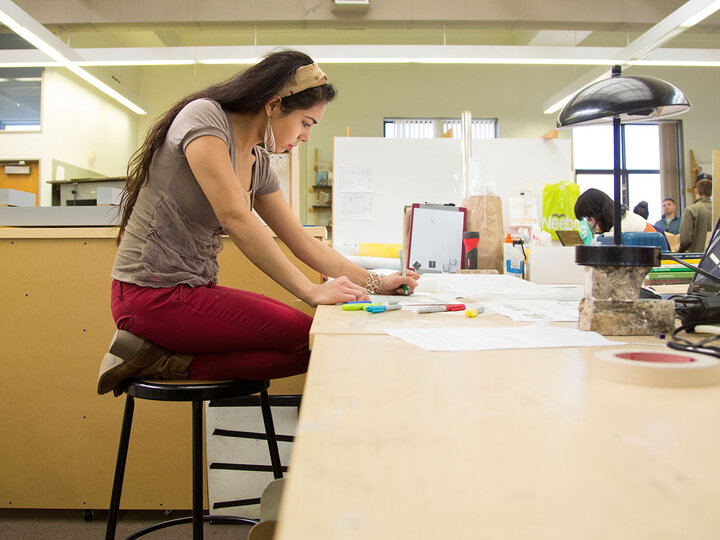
<point>655,367</point>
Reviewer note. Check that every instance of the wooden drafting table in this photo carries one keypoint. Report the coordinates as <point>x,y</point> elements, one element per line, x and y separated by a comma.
<point>395,442</point>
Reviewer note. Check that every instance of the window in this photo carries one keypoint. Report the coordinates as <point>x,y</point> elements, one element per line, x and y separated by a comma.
<point>430,128</point>
<point>640,163</point>
<point>20,99</point>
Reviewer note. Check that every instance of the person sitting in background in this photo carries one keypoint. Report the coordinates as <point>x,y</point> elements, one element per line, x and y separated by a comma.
<point>595,206</point>
<point>670,221</point>
<point>641,209</point>
<point>697,219</point>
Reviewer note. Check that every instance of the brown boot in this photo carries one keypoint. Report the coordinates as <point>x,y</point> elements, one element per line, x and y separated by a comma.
<point>133,357</point>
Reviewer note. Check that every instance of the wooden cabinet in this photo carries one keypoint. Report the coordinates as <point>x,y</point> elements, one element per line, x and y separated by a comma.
<point>59,437</point>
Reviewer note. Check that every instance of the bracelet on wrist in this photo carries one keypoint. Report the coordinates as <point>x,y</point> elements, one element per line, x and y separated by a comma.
<point>373,283</point>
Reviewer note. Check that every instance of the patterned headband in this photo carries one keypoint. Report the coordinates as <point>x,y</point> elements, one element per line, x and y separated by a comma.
<point>305,77</point>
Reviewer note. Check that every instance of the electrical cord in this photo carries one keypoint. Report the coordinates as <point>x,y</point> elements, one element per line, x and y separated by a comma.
<point>694,310</point>
<point>682,344</point>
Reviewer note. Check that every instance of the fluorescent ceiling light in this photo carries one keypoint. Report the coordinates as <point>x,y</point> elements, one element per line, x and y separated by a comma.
<point>109,63</point>
<point>340,54</point>
<point>19,22</point>
<point>366,60</point>
<point>520,61</point>
<point>97,83</point>
<point>367,54</point>
<point>676,63</point>
<point>221,61</point>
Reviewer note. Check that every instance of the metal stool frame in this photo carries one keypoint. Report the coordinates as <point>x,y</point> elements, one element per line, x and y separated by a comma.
<point>196,393</point>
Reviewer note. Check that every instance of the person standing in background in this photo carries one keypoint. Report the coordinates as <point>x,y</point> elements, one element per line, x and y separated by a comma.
<point>697,219</point>
<point>670,221</point>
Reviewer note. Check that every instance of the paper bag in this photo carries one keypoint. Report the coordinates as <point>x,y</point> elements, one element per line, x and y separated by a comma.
<point>484,215</point>
<point>407,216</point>
<point>673,241</point>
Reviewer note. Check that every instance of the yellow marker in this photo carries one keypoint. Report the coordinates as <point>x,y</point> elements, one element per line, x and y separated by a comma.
<point>471,313</point>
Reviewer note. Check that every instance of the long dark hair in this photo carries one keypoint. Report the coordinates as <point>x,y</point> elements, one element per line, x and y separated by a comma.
<point>246,92</point>
<point>596,204</point>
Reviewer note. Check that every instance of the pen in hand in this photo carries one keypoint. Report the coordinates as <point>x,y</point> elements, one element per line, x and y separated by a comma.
<point>404,272</point>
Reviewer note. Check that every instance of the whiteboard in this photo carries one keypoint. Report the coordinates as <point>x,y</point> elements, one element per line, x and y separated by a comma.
<point>436,235</point>
<point>375,178</point>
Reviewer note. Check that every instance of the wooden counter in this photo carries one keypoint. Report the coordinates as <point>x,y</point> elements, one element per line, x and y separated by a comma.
<point>395,443</point>
<point>59,437</point>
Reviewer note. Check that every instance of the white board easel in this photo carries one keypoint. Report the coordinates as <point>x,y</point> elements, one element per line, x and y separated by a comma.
<point>375,178</point>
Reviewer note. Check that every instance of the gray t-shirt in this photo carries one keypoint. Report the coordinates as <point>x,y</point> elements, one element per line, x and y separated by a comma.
<point>173,235</point>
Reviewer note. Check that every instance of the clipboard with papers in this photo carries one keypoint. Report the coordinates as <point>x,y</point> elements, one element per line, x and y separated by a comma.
<point>436,235</point>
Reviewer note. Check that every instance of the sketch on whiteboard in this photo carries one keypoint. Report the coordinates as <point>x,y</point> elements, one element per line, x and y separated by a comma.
<point>356,180</point>
<point>357,206</point>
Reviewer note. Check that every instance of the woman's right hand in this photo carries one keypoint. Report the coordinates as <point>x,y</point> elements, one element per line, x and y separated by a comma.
<point>336,291</point>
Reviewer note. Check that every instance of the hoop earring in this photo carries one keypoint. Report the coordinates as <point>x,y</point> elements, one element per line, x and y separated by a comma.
<point>269,141</point>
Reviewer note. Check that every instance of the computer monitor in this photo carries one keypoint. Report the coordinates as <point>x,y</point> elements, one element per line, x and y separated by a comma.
<point>704,285</point>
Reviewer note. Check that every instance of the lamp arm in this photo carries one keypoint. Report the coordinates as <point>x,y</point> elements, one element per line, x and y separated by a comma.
<point>617,189</point>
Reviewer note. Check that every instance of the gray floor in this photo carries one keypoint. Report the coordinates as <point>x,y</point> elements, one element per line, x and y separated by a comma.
<point>69,524</point>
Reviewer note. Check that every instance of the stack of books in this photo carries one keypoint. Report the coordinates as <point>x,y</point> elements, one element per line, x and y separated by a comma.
<point>671,272</point>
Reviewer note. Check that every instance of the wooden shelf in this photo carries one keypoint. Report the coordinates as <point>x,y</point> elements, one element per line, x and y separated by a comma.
<point>322,206</point>
<point>318,186</point>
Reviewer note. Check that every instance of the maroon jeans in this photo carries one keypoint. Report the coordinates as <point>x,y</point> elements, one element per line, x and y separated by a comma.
<point>232,334</point>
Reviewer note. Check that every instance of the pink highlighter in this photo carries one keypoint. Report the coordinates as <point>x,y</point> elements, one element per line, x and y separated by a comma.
<point>438,309</point>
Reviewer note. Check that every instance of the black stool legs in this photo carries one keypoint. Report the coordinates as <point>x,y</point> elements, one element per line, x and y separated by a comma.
<point>197,458</point>
<point>271,438</point>
<point>120,468</point>
<point>197,430</point>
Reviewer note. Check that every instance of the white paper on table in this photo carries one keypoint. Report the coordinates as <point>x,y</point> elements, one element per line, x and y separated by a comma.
<point>536,310</point>
<point>534,336</point>
<point>495,287</point>
<point>414,299</point>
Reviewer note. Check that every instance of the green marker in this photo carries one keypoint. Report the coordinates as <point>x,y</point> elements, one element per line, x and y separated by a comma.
<point>404,272</point>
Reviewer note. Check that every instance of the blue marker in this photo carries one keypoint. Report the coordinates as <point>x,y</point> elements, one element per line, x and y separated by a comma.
<point>383,308</point>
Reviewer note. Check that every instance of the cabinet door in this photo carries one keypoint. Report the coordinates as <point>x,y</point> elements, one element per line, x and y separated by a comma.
<point>24,181</point>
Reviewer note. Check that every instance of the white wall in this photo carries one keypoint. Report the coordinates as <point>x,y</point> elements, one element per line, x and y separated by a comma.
<point>76,120</point>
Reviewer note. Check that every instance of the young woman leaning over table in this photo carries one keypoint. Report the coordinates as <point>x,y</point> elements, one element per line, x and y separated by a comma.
<point>200,173</point>
<point>597,207</point>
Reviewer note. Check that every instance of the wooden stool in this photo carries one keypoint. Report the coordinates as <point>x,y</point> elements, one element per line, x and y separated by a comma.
<point>196,392</point>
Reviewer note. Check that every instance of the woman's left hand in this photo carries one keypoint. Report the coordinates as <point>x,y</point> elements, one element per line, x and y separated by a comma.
<point>393,283</point>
